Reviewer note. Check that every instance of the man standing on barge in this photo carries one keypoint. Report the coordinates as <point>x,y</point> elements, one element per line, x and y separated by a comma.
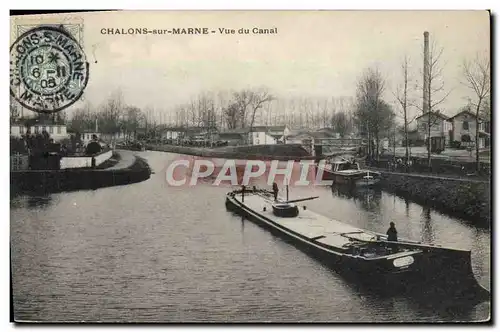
<point>275,191</point>
<point>392,233</point>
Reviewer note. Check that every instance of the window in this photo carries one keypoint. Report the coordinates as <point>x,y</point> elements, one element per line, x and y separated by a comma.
<point>58,129</point>
<point>51,129</point>
<point>21,129</point>
<point>465,125</point>
<point>37,129</point>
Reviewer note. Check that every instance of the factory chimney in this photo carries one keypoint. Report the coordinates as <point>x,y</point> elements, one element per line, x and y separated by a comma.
<point>426,88</point>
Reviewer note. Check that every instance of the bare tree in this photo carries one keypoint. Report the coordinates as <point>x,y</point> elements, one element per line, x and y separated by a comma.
<point>477,79</point>
<point>341,123</point>
<point>231,116</point>
<point>111,113</point>
<point>131,120</point>
<point>248,103</point>
<point>372,112</point>
<point>257,101</point>
<point>402,97</point>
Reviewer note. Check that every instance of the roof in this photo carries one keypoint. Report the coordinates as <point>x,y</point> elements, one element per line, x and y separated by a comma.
<point>37,122</point>
<point>314,134</point>
<point>463,112</point>
<point>227,135</point>
<point>438,114</point>
<point>177,129</point>
<point>268,128</point>
<point>235,131</point>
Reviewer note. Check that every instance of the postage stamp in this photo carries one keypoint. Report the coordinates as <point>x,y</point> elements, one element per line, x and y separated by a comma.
<point>48,69</point>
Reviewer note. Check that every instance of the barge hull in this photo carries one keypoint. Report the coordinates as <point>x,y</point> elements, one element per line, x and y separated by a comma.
<point>437,271</point>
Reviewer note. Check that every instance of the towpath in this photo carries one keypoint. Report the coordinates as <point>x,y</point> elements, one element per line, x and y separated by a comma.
<point>431,176</point>
<point>127,159</point>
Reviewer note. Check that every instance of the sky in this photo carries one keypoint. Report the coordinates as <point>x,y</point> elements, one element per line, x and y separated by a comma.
<point>313,54</point>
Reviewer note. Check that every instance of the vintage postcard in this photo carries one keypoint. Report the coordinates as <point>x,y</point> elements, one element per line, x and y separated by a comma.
<point>251,166</point>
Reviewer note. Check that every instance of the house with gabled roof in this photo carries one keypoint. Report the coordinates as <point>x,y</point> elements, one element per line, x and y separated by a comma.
<point>463,129</point>
<point>440,126</point>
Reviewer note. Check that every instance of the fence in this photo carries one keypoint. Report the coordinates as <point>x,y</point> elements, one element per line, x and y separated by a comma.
<point>85,161</point>
<point>19,162</point>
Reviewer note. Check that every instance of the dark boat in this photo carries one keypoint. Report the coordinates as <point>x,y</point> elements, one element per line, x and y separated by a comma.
<point>346,172</point>
<point>131,146</point>
<point>364,254</point>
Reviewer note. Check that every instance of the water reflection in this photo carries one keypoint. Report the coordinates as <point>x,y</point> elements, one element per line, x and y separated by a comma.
<point>407,207</point>
<point>153,253</point>
<point>368,198</point>
<point>31,202</point>
<point>427,231</point>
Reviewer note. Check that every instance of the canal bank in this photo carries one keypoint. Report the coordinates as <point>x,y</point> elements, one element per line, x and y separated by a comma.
<point>463,198</point>
<point>129,169</point>
<point>282,152</point>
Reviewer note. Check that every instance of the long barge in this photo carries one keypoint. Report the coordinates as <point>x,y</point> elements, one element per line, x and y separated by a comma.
<point>365,255</point>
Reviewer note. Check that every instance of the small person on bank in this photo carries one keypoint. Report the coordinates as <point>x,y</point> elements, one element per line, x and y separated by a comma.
<point>275,191</point>
<point>392,233</point>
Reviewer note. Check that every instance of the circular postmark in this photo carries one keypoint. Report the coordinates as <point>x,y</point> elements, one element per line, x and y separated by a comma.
<point>48,69</point>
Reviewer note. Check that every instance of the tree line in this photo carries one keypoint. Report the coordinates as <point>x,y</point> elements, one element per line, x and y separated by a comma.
<point>242,109</point>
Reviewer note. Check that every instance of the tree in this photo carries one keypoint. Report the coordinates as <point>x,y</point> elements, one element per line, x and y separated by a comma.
<point>131,120</point>
<point>403,99</point>
<point>477,79</point>
<point>111,113</point>
<point>257,100</point>
<point>372,113</point>
<point>341,123</point>
<point>231,116</point>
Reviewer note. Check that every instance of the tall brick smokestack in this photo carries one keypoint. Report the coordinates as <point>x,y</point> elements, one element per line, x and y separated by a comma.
<point>426,88</point>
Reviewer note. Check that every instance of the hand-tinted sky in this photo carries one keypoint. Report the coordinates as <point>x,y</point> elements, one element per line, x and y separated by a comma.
<point>314,53</point>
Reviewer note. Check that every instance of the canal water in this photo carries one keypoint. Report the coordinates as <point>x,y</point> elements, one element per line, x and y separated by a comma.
<point>148,252</point>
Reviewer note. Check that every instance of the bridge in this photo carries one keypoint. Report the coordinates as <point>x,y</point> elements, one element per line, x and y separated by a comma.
<point>334,146</point>
<point>340,142</point>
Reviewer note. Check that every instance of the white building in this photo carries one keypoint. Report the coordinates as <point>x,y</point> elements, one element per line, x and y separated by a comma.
<point>87,135</point>
<point>268,134</point>
<point>57,131</point>
<point>463,129</point>
<point>172,133</point>
<point>439,125</point>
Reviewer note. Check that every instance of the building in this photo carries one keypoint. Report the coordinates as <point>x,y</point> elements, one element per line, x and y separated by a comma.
<point>87,136</point>
<point>258,135</point>
<point>56,129</point>
<point>440,126</point>
<point>172,133</point>
<point>233,136</point>
<point>463,129</point>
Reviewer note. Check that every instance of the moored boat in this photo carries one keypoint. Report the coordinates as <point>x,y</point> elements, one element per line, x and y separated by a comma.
<point>361,253</point>
<point>347,172</point>
<point>132,146</point>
